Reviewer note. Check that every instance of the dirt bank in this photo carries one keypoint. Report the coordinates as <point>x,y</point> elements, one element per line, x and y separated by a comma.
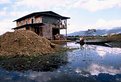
<point>24,43</point>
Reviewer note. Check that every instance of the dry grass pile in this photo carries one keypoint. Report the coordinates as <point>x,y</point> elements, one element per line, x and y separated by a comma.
<point>24,43</point>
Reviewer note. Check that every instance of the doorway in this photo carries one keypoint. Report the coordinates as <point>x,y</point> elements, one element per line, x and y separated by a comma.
<point>38,30</point>
<point>55,31</point>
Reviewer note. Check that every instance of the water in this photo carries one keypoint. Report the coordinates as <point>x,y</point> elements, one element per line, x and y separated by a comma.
<point>89,63</point>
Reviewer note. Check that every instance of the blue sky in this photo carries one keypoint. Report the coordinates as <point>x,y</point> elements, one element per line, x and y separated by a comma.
<point>85,14</point>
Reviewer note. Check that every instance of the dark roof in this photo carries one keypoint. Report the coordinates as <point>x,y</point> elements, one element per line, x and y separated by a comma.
<point>26,25</point>
<point>45,13</point>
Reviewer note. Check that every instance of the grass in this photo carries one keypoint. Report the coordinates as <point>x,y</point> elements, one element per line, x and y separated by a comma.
<point>47,62</point>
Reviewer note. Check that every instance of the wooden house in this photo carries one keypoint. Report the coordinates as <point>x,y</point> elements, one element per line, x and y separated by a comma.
<point>47,24</point>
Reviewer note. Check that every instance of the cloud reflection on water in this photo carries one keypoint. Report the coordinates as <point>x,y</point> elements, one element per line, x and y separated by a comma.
<point>96,69</point>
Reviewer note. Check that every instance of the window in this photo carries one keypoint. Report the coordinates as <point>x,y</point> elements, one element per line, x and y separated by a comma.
<point>26,22</point>
<point>32,21</point>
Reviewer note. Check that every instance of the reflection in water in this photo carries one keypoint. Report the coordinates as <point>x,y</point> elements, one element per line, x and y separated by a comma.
<point>102,51</point>
<point>89,63</point>
<point>96,69</point>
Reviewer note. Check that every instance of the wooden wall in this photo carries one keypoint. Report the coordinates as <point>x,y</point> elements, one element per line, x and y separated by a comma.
<point>47,31</point>
<point>49,20</point>
<point>29,21</point>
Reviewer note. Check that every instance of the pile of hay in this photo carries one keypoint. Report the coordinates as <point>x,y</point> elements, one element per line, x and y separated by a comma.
<point>24,43</point>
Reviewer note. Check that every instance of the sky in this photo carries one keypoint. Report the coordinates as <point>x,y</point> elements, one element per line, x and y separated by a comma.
<point>84,14</point>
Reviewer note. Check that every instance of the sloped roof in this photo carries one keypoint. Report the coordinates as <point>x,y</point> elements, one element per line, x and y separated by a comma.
<point>45,13</point>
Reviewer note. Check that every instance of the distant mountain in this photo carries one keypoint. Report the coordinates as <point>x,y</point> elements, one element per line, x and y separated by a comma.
<point>116,30</point>
<point>98,32</point>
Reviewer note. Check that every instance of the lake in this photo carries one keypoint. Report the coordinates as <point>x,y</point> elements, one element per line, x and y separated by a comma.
<point>88,63</point>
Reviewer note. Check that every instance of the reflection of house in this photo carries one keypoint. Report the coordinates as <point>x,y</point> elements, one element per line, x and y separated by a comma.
<point>46,24</point>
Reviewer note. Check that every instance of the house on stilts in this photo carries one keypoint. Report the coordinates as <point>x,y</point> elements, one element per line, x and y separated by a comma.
<point>47,24</point>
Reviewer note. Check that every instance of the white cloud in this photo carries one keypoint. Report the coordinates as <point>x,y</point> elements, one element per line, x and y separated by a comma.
<point>103,24</point>
<point>6,25</point>
<point>95,5</point>
<point>90,5</point>
<point>43,4</point>
<point>4,1</point>
<point>3,13</point>
<point>18,14</point>
<point>6,22</point>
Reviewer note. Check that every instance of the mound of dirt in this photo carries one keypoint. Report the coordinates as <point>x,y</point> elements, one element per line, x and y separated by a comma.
<point>24,43</point>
